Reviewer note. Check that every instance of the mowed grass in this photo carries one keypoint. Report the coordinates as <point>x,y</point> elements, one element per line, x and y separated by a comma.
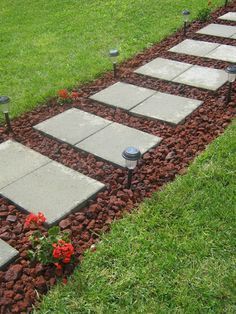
<point>175,255</point>
<point>49,45</point>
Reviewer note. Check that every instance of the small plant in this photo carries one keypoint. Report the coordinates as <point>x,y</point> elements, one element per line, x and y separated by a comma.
<point>54,248</point>
<point>204,14</point>
<point>67,97</point>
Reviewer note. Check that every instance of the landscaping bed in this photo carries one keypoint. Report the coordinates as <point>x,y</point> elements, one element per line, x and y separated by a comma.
<point>22,283</point>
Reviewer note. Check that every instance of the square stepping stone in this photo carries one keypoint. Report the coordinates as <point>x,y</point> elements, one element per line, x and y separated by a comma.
<point>224,52</point>
<point>230,16</point>
<point>54,190</point>
<point>110,142</point>
<point>7,254</point>
<point>166,107</point>
<point>191,47</point>
<point>17,160</point>
<point>72,126</point>
<point>122,95</point>
<point>218,30</point>
<point>164,69</point>
<point>203,77</point>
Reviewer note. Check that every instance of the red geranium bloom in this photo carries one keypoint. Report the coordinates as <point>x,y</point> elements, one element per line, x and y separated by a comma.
<point>63,251</point>
<point>75,95</point>
<point>63,93</point>
<point>58,266</point>
<point>33,219</point>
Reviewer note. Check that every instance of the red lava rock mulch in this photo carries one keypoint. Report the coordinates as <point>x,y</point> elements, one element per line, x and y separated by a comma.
<point>22,282</point>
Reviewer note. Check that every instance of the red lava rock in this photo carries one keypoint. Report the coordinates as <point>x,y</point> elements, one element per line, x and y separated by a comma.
<point>6,236</point>
<point>80,217</point>
<point>40,284</point>
<point>18,297</point>
<point>11,218</point>
<point>65,223</point>
<point>3,214</point>
<point>85,236</point>
<point>14,272</point>
<point>170,155</point>
<point>11,207</point>
<point>8,294</point>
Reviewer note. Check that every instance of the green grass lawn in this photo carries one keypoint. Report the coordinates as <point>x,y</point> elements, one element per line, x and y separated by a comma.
<point>175,255</point>
<point>49,45</point>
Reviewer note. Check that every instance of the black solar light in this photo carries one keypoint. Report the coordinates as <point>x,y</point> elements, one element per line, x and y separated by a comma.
<point>231,70</point>
<point>131,156</point>
<point>186,15</point>
<point>114,53</point>
<point>4,107</point>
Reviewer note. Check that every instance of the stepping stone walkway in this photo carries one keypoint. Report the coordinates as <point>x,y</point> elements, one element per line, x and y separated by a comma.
<point>219,30</point>
<point>161,106</point>
<point>107,142</point>
<point>7,254</point>
<point>48,187</point>
<point>230,16</point>
<point>36,183</point>
<point>205,49</point>
<point>184,73</point>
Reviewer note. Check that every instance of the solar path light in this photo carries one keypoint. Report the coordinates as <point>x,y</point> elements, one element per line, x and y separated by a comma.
<point>226,3</point>
<point>186,15</point>
<point>4,107</point>
<point>114,53</point>
<point>131,156</point>
<point>231,70</point>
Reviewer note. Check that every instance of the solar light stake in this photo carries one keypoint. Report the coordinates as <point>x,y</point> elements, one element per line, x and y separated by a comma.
<point>114,53</point>
<point>231,70</point>
<point>4,105</point>
<point>131,156</point>
<point>186,14</point>
<point>226,3</point>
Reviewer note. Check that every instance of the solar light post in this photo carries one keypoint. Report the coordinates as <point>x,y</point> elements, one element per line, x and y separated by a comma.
<point>226,3</point>
<point>186,14</point>
<point>114,53</point>
<point>4,107</point>
<point>231,70</point>
<point>131,156</point>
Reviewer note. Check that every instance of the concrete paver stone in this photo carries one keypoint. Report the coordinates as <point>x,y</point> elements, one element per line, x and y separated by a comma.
<point>164,69</point>
<point>72,126</point>
<point>191,47</point>
<point>165,107</point>
<point>110,142</point>
<point>218,30</point>
<point>7,253</point>
<point>17,160</point>
<point>123,95</point>
<point>54,190</point>
<point>230,16</point>
<point>223,52</point>
<point>203,77</point>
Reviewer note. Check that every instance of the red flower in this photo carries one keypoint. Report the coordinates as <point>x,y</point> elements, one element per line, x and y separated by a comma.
<point>58,266</point>
<point>63,93</point>
<point>38,219</point>
<point>63,251</point>
<point>75,95</point>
